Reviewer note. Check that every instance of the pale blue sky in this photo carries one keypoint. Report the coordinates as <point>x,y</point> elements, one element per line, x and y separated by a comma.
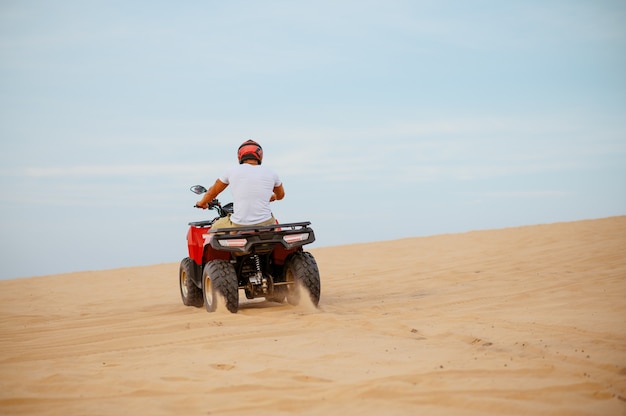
<point>385,119</point>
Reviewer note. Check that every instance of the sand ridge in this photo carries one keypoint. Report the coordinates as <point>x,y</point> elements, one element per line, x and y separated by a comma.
<point>527,320</point>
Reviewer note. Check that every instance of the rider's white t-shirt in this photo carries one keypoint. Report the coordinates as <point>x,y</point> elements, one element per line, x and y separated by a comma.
<point>251,187</point>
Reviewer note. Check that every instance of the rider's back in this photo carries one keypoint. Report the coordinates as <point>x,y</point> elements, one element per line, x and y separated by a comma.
<point>251,187</point>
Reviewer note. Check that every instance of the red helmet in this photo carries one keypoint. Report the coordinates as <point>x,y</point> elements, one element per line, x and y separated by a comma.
<point>250,150</point>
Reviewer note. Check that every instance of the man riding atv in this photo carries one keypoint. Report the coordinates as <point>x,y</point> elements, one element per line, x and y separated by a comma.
<point>253,187</point>
<point>245,248</point>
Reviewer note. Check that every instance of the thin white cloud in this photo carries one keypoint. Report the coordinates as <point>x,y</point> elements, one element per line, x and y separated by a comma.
<point>114,170</point>
<point>463,149</point>
<point>522,194</point>
<point>406,151</point>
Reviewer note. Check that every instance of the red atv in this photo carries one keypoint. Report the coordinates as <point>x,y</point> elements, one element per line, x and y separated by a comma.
<point>265,261</point>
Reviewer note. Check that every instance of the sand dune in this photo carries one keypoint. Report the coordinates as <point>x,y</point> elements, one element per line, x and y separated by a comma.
<point>519,321</point>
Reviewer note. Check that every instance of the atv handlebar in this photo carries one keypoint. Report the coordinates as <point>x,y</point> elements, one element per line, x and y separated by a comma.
<point>212,204</point>
<point>215,204</point>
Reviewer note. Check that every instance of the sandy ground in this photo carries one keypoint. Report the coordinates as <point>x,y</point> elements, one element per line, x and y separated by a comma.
<point>520,321</point>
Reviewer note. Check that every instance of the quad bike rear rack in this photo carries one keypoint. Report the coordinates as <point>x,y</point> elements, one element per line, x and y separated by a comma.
<point>256,238</point>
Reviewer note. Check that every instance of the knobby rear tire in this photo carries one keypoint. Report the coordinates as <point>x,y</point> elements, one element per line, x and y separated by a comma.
<point>189,292</point>
<point>219,284</point>
<point>301,271</point>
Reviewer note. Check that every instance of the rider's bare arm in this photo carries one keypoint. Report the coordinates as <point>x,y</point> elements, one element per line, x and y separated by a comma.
<point>279,193</point>
<point>212,193</point>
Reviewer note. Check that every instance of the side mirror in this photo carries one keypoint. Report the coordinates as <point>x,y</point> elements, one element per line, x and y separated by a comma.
<point>198,189</point>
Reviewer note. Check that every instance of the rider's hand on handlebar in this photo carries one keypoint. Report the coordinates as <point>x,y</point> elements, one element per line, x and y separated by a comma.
<point>205,205</point>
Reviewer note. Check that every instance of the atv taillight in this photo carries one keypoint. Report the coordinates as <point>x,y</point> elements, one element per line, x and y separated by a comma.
<point>236,242</point>
<point>294,238</point>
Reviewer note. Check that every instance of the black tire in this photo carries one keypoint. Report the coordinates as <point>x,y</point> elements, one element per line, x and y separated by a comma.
<point>189,292</point>
<point>301,271</point>
<point>219,283</point>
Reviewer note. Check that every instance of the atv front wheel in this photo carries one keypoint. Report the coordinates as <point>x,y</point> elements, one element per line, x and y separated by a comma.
<point>189,292</point>
<point>219,284</point>
<point>301,271</point>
